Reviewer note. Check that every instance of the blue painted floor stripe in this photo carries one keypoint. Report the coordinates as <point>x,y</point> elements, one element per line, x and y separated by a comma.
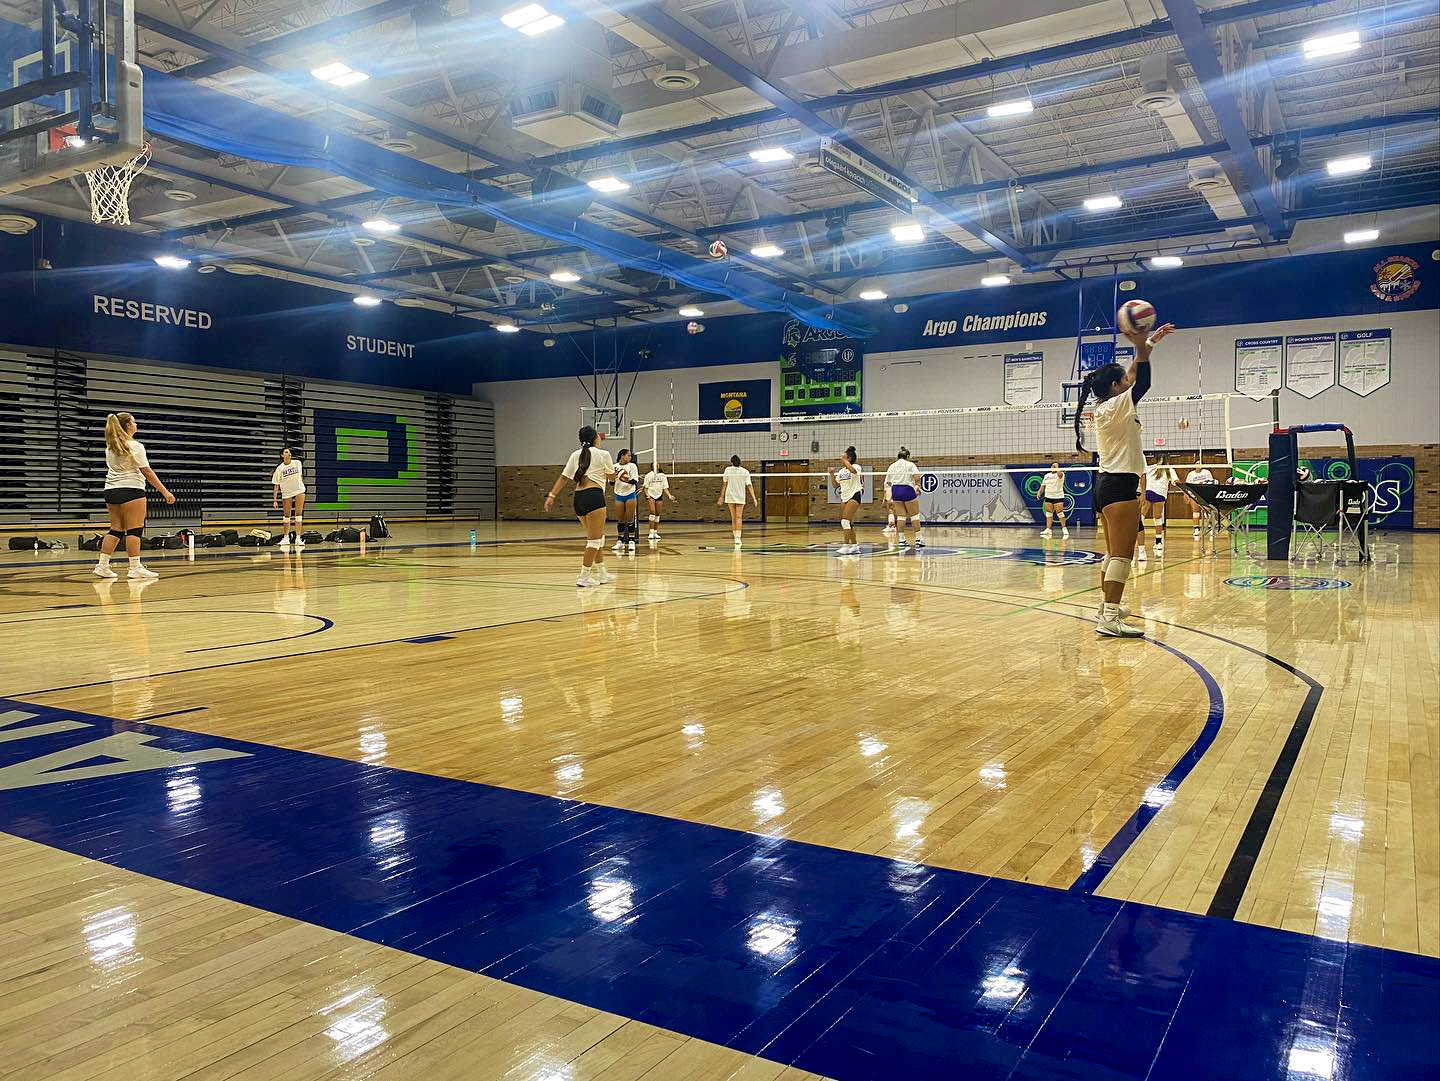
<point>852,966</point>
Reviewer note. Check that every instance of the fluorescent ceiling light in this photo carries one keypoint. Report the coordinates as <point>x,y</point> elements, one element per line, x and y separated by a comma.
<point>1019,107</point>
<point>365,300</point>
<point>992,280</point>
<point>381,225</point>
<point>873,294</point>
<point>507,328</point>
<point>609,184</point>
<point>1331,44</point>
<point>540,26</point>
<point>338,74</point>
<point>771,153</point>
<point>690,312</point>
<point>767,251</point>
<point>172,262</point>
<point>1361,236</point>
<point>1103,202</point>
<point>530,13</point>
<point>1166,262</point>
<point>909,232</point>
<point>564,276</point>
<point>1356,163</point>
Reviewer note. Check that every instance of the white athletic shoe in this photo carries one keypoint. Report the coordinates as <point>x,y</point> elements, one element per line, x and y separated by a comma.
<point>1046,534</point>
<point>919,543</point>
<point>632,547</point>
<point>1141,556</point>
<point>1111,624</point>
<point>1065,535</point>
<point>284,542</point>
<point>619,546</point>
<point>138,570</point>
<point>1195,533</point>
<point>1125,613</point>
<point>653,536</point>
<point>603,576</point>
<point>104,570</point>
<point>299,544</point>
<point>585,581</point>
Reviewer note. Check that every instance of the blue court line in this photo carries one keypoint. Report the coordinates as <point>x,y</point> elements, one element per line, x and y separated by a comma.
<point>853,966</point>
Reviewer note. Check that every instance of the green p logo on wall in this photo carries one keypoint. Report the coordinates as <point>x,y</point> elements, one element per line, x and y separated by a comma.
<point>359,449</point>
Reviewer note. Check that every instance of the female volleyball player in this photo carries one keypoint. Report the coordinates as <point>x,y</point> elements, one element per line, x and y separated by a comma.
<point>1052,490</point>
<point>126,470</point>
<point>289,482</point>
<point>1122,461</point>
<point>902,481</point>
<point>589,468</point>
<point>1156,497</point>
<point>627,484</point>
<point>735,485</point>
<point>850,480</point>
<point>1198,475</point>
<point>657,490</point>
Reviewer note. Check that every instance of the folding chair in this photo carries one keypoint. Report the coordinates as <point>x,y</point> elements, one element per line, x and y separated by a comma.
<point>1352,520</point>
<point>1317,510</point>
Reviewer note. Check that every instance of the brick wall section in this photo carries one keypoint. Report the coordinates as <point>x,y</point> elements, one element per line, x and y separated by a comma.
<point>522,488</point>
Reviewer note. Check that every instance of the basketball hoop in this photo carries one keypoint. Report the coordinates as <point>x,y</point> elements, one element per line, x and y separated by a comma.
<point>110,188</point>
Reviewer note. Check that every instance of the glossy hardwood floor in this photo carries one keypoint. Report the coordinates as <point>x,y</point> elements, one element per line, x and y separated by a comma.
<point>952,708</point>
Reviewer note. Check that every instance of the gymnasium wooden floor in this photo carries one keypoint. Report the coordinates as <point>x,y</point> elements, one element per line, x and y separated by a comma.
<point>429,811</point>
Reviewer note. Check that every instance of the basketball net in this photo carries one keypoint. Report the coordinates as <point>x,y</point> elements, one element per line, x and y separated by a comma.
<point>110,188</point>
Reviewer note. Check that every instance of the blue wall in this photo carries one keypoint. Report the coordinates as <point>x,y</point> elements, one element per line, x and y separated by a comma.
<point>260,324</point>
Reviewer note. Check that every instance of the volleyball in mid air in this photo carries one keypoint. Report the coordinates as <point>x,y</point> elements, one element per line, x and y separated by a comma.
<point>1135,317</point>
<point>718,250</point>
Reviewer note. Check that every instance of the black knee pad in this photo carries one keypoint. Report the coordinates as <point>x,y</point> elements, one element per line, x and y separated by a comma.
<point>138,531</point>
<point>119,535</point>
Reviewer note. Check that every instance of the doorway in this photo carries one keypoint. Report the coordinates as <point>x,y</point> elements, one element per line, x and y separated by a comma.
<point>785,493</point>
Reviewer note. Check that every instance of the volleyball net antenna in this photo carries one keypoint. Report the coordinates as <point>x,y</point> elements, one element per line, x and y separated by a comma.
<point>978,439</point>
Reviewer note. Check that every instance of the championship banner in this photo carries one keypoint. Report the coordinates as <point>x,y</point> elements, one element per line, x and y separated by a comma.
<point>734,400</point>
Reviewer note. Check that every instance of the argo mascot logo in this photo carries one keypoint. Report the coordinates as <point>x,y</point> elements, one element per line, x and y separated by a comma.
<point>1396,278</point>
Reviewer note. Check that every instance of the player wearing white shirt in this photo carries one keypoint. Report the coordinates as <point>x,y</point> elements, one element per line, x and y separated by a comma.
<point>289,482</point>
<point>735,486</point>
<point>902,492</point>
<point>127,468</point>
<point>589,469</point>
<point>627,498</point>
<point>657,490</point>
<point>1198,475</point>
<point>1052,494</point>
<point>1118,438</point>
<point>850,480</point>
<point>1156,498</point>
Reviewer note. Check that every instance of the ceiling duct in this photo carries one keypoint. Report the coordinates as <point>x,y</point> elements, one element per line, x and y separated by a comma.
<point>1159,83</point>
<point>564,96</point>
<point>675,77</point>
<point>466,218</point>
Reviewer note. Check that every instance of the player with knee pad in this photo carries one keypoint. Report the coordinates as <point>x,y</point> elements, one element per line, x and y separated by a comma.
<point>289,498</point>
<point>589,468</point>
<point>849,479</point>
<point>657,490</point>
<point>127,469</point>
<point>902,480</point>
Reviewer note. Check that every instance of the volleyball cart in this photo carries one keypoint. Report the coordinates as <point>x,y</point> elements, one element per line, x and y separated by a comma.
<point>1225,506</point>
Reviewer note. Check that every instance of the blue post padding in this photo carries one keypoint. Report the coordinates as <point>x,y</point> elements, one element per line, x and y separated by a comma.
<point>1280,496</point>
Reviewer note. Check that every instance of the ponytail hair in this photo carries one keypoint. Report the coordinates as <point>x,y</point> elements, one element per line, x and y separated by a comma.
<point>850,455</point>
<point>734,459</point>
<point>904,452</point>
<point>1101,379</point>
<point>587,440</point>
<point>117,435</point>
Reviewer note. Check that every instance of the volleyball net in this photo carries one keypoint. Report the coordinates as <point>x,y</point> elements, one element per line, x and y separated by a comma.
<point>977,439</point>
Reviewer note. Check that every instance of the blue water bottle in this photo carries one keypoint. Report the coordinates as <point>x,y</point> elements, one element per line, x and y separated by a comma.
<point>472,536</point>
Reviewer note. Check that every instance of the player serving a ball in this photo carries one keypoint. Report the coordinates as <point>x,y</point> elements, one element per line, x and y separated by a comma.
<point>1121,457</point>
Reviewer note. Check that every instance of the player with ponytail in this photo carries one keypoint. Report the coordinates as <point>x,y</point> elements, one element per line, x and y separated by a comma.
<point>127,469</point>
<point>1121,455</point>
<point>850,481</point>
<point>589,469</point>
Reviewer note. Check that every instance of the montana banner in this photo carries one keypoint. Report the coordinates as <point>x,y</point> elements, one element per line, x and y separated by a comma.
<point>734,400</point>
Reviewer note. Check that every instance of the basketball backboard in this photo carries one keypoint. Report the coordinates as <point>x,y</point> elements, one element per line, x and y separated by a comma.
<point>70,90</point>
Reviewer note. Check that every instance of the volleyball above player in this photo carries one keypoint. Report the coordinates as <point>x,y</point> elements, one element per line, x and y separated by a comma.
<point>850,481</point>
<point>127,469</point>
<point>735,486</point>
<point>1052,494</point>
<point>289,482</point>
<point>657,490</point>
<point>902,481</point>
<point>627,484</point>
<point>1121,453</point>
<point>589,468</point>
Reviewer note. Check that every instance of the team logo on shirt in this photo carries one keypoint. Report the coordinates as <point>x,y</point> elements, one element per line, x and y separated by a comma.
<point>1396,278</point>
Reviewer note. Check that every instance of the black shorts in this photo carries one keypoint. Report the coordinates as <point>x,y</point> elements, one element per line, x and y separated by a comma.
<point>1116,488</point>
<point>588,500</point>
<point>115,497</point>
<point>1055,502</point>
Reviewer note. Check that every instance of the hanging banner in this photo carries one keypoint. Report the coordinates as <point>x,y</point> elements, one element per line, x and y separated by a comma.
<point>972,497</point>
<point>1257,366</point>
<point>734,400</point>
<point>820,371</point>
<point>1364,360</point>
<point>1024,374</point>
<point>1309,363</point>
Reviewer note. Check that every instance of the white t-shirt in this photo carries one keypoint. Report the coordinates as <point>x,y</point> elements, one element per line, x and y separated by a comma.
<point>852,481</point>
<point>125,472</point>
<point>625,477</point>
<point>290,478</point>
<point>1157,479</point>
<point>903,471</point>
<point>1118,436</point>
<point>1055,485</point>
<point>599,470</point>
<point>737,479</point>
<point>655,484</point>
<point>1199,476</point>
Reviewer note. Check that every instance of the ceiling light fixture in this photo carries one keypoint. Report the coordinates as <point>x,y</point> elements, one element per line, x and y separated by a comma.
<point>1166,262</point>
<point>566,276</point>
<point>1355,163</point>
<point>1331,44</point>
<point>767,154</point>
<point>172,262</point>
<point>873,294</point>
<point>507,328</point>
<point>609,185</point>
<point>990,281</point>
<point>1361,236</point>
<point>365,300</point>
<point>380,225</point>
<point>1097,203</point>
<point>767,251</point>
<point>338,74</point>
<point>531,19</point>
<point>1018,107</point>
<point>908,232</point>
<point>690,312</point>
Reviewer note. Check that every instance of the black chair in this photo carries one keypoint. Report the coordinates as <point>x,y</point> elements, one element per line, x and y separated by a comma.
<point>1325,505</point>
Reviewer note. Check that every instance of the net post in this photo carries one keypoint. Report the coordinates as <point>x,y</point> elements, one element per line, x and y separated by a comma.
<point>1229,440</point>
